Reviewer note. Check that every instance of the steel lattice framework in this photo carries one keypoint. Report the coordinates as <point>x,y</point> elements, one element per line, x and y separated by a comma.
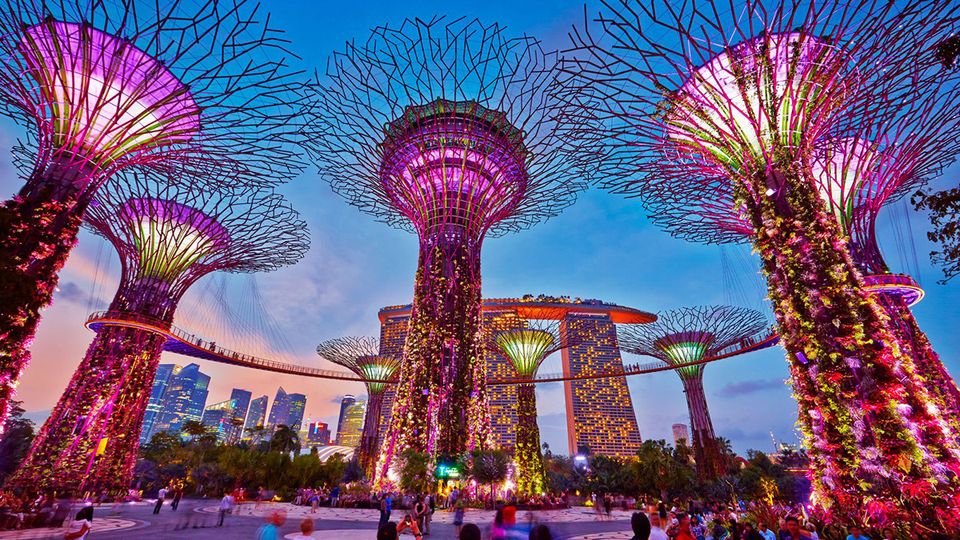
<point>741,95</point>
<point>168,235</point>
<point>527,348</point>
<point>109,87</point>
<point>457,131</point>
<point>361,355</point>
<point>686,335</point>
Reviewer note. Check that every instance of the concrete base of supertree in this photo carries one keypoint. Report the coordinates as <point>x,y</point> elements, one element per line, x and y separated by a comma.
<point>40,228</point>
<point>531,476</point>
<point>440,403</point>
<point>877,451</point>
<point>91,440</point>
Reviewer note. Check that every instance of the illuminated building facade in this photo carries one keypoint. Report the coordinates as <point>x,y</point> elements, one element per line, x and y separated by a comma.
<point>183,400</point>
<point>217,419</point>
<point>256,416</point>
<point>600,412</point>
<point>287,410</point>
<point>160,381</point>
<point>350,427</point>
<point>241,399</point>
<point>318,433</point>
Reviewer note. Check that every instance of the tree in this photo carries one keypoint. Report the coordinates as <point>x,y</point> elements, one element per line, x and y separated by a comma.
<point>193,428</point>
<point>944,210</point>
<point>414,471</point>
<point>285,440</point>
<point>16,440</point>
<point>489,467</point>
<point>662,471</point>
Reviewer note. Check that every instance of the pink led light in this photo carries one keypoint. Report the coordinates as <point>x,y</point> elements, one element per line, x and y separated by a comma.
<point>107,97</point>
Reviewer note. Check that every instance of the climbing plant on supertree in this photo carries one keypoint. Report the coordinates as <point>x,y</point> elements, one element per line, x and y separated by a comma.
<point>456,131</point>
<point>168,235</point>
<point>741,95</point>
<point>527,348</point>
<point>683,338</point>
<point>361,355</point>
<point>108,87</point>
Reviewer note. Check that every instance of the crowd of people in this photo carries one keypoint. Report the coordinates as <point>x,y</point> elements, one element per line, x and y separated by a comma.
<point>22,512</point>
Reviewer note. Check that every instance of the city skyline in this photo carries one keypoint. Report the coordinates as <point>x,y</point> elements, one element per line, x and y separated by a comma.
<point>618,259</point>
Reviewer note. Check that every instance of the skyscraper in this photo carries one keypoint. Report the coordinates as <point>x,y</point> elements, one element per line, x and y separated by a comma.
<point>347,401</point>
<point>600,412</point>
<point>350,427</point>
<point>287,410</point>
<point>318,433</point>
<point>183,400</point>
<point>217,418</point>
<point>241,400</point>
<point>681,433</point>
<point>160,381</point>
<point>256,416</point>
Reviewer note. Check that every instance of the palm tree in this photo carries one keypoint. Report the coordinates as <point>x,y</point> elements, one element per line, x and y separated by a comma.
<point>489,467</point>
<point>193,428</point>
<point>285,440</point>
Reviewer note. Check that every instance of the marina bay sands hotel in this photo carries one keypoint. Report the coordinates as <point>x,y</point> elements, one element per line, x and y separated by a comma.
<point>600,413</point>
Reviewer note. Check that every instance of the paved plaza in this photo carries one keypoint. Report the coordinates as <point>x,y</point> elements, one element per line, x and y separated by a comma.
<point>198,520</point>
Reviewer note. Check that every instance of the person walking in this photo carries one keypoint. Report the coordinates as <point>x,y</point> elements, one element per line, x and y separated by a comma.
<point>82,525</point>
<point>334,496</point>
<point>431,505</point>
<point>458,512</point>
<point>420,511</point>
<point>177,495</point>
<point>226,506</point>
<point>386,504</point>
<point>162,494</point>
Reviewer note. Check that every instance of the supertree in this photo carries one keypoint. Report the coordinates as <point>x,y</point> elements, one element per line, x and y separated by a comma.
<point>108,87</point>
<point>741,93</point>
<point>457,132</point>
<point>855,176</point>
<point>527,348</point>
<point>361,355</point>
<point>683,337</point>
<point>168,235</point>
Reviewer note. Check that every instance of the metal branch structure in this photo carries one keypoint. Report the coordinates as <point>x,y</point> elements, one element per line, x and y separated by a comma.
<point>456,131</point>
<point>527,348</point>
<point>361,355</point>
<point>168,235</point>
<point>109,87</point>
<point>682,336</point>
<point>741,95</point>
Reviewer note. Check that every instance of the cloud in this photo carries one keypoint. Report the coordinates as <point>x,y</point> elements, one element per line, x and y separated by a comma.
<point>751,386</point>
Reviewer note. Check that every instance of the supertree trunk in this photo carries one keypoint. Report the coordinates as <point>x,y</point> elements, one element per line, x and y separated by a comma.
<point>440,405</point>
<point>531,476</point>
<point>930,368</point>
<point>91,440</point>
<point>367,457</point>
<point>877,450</point>
<point>40,228</point>
<point>706,452</point>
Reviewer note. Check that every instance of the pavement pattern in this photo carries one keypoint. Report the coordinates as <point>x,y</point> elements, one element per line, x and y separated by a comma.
<point>196,519</point>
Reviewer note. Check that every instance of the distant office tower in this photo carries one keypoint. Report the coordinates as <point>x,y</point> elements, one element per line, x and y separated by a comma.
<point>183,400</point>
<point>256,417</point>
<point>298,404</point>
<point>318,433</point>
<point>218,417</point>
<point>241,399</point>
<point>680,433</point>
<point>350,427</point>
<point>600,412</point>
<point>160,381</point>
<point>287,410</point>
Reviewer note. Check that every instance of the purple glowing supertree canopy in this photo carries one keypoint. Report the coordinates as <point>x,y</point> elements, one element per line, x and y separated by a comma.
<point>168,235</point>
<point>109,88</point>
<point>683,337</point>
<point>752,97</point>
<point>361,355</point>
<point>455,131</point>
